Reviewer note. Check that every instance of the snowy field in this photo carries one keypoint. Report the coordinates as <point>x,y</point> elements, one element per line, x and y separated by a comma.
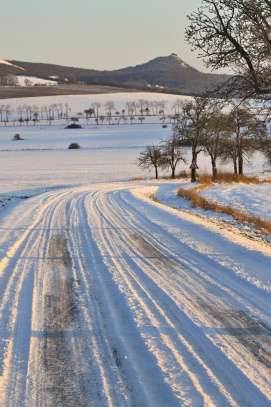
<point>109,298</point>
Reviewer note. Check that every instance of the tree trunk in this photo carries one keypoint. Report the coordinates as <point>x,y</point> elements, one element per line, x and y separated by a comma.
<point>193,175</point>
<point>235,166</point>
<point>156,172</point>
<point>214,169</point>
<point>214,173</point>
<point>240,164</point>
<point>193,170</point>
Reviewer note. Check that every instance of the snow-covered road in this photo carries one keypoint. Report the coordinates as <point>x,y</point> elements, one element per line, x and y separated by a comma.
<point>112,299</point>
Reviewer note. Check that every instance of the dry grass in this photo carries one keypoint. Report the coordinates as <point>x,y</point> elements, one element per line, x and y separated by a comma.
<point>138,179</point>
<point>201,202</point>
<point>228,178</point>
<point>183,174</point>
<point>179,175</point>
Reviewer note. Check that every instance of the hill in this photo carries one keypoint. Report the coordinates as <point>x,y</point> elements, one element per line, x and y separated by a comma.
<point>169,74</point>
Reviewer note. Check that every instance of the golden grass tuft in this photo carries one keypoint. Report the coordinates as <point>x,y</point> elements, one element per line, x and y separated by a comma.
<point>198,201</point>
<point>228,178</point>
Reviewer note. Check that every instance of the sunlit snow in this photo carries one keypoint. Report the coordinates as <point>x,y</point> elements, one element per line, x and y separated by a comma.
<point>114,291</point>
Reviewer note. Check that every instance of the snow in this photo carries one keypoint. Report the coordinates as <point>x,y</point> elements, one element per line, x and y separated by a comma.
<point>2,61</point>
<point>112,298</point>
<point>252,199</point>
<point>34,80</point>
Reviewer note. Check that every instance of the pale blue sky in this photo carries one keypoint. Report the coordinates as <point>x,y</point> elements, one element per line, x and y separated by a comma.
<point>101,34</point>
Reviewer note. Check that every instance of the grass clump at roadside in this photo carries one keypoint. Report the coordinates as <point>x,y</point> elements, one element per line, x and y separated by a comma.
<point>227,178</point>
<point>198,201</point>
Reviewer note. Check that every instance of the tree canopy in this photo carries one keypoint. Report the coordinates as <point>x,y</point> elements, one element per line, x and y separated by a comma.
<point>235,34</point>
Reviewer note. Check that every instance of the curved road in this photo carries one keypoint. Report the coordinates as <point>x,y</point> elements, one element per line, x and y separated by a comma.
<point>111,299</point>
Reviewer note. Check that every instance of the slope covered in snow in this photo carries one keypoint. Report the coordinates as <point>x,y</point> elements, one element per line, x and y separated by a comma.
<point>2,61</point>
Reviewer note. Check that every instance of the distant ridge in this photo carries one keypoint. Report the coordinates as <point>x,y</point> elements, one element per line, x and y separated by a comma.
<point>169,74</point>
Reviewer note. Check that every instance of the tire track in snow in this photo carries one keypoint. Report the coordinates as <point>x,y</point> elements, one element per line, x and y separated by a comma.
<point>110,241</point>
<point>17,281</point>
<point>39,363</point>
<point>57,368</point>
<point>118,347</point>
<point>133,315</point>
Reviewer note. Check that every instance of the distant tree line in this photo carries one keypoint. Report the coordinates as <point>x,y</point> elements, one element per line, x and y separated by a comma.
<point>27,112</point>
<point>100,113</point>
<point>228,133</point>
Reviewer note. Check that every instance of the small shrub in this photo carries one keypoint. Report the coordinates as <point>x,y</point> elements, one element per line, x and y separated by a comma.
<point>73,126</point>
<point>17,137</point>
<point>74,146</point>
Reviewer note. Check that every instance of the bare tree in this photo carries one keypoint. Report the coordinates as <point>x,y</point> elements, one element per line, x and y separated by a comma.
<point>59,110</point>
<point>141,104</point>
<point>96,106</point>
<point>51,111</point>
<point>191,127</point>
<point>135,106</point>
<point>8,111</point>
<point>67,110</point>
<point>2,109</point>
<point>35,110</point>
<point>35,117</point>
<point>28,82</point>
<point>176,106</point>
<point>162,105</point>
<point>150,157</point>
<point>172,154</point>
<point>245,132</point>
<point>110,107</point>
<point>235,34</point>
<point>20,110</point>
<point>217,129</point>
<point>155,107</point>
<point>130,108</point>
